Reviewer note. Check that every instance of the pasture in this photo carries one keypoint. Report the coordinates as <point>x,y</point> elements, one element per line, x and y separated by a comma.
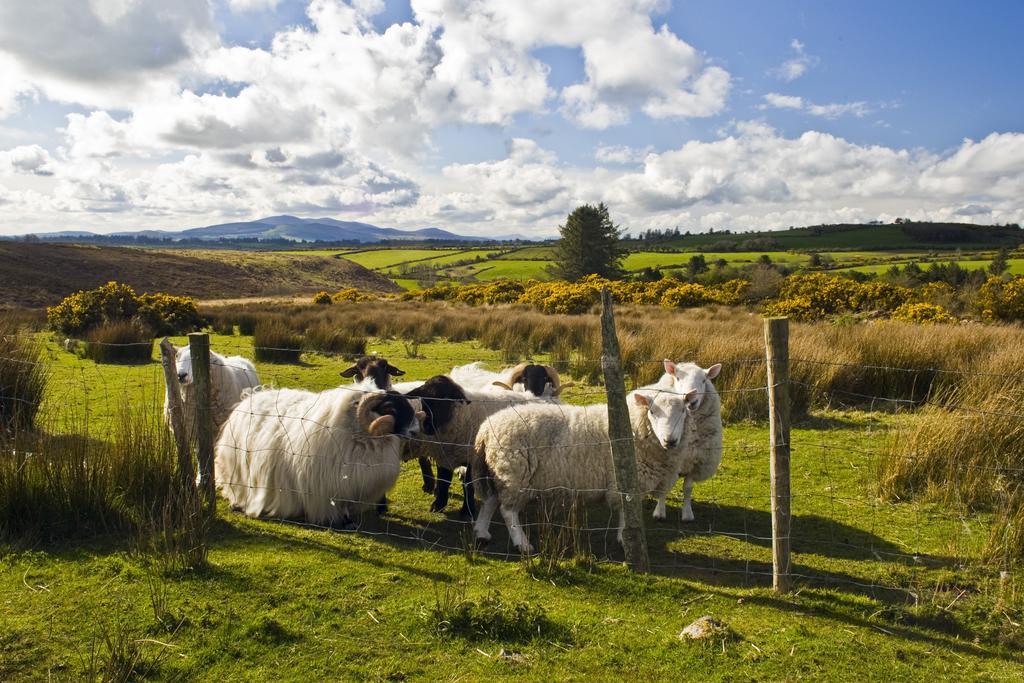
<point>890,589</point>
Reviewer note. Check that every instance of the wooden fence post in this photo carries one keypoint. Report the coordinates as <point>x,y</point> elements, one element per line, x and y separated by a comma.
<point>177,415</point>
<point>620,433</point>
<point>776,343</point>
<point>199,343</point>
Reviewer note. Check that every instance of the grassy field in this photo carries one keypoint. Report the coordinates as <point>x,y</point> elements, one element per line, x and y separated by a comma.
<point>1016,265</point>
<point>453,257</point>
<point>886,590</point>
<point>384,258</point>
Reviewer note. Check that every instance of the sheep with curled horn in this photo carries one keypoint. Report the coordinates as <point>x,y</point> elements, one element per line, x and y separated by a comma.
<point>375,372</point>
<point>319,457</point>
<point>540,380</point>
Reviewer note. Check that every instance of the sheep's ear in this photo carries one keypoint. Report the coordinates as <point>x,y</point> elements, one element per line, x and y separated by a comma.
<point>382,426</point>
<point>421,415</point>
<point>641,400</point>
<point>395,372</point>
<point>350,372</point>
<point>714,370</point>
<point>670,367</point>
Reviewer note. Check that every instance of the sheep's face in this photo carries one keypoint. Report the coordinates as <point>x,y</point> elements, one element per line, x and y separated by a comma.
<point>377,369</point>
<point>183,361</point>
<point>690,378</point>
<point>439,396</point>
<point>394,414</point>
<point>540,380</point>
<point>666,414</point>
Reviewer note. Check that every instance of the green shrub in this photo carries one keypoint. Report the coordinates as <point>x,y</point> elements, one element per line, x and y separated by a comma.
<point>22,381</point>
<point>125,341</point>
<point>273,342</point>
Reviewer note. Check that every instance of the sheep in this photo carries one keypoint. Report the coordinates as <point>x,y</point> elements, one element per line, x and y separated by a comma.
<point>522,452</point>
<point>702,442</point>
<point>318,457</point>
<point>453,417</point>
<point>374,371</point>
<point>229,378</point>
<point>539,380</point>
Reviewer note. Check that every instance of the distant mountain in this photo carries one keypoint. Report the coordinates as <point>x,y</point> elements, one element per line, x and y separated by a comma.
<point>303,230</point>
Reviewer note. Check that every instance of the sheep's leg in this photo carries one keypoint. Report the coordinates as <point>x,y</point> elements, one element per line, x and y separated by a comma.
<point>687,513</point>
<point>382,505</point>
<point>468,510</point>
<point>659,509</point>
<point>483,521</point>
<point>622,523</point>
<point>444,482</point>
<point>515,530</point>
<point>428,475</point>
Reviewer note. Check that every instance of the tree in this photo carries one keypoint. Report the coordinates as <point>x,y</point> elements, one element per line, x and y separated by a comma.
<point>697,265</point>
<point>999,264</point>
<point>589,245</point>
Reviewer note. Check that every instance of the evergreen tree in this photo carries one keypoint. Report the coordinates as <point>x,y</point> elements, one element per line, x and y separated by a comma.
<point>999,265</point>
<point>589,245</point>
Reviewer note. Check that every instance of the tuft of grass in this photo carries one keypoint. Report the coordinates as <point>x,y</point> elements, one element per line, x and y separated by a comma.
<point>23,378</point>
<point>491,617</point>
<point>274,342</point>
<point>325,339</point>
<point>125,341</point>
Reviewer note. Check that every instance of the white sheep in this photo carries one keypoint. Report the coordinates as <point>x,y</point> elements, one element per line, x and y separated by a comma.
<point>453,417</point>
<point>525,451</point>
<point>539,380</point>
<point>229,377</point>
<point>321,457</point>
<point>702,439</point>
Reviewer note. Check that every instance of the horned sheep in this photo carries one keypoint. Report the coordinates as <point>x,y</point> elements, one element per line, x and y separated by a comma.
<point>319,457</point>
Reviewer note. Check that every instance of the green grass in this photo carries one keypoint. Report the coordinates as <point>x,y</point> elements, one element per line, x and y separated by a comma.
<point>287,602</point>
<point>1016,265</point>
<point>499,269</point>
<point>448,258</point>
<point>384,258</point>
<point>526,253</point>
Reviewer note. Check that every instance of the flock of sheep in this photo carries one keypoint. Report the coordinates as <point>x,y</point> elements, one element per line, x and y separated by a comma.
<point>325,457</point>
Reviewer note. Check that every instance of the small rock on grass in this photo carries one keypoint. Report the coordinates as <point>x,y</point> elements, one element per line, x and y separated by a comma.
<point>707,627</point>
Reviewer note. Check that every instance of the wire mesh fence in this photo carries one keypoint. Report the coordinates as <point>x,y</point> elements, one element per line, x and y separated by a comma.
<point>852,527</point>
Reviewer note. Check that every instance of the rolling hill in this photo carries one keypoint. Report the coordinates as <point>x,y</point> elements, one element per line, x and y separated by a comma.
<point>33,274</point>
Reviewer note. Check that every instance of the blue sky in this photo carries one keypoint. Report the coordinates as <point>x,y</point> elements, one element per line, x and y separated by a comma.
<point>492,117</point>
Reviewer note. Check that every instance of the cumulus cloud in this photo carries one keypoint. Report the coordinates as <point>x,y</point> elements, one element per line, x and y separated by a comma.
<point>31,159</point>
<point>773,100</point>
<point>796,66</point>
<point>252,5</point>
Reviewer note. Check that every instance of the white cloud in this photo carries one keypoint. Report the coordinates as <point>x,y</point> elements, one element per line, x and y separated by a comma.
<point>31,159</point>
<point>620,154</point>
<point>774,100</point>
<point>252,5</point>
<point>797,66</point>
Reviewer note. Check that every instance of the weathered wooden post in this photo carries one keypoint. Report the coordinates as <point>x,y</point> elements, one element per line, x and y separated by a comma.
<point>776,342</point>
<point>177,415</point>
<point>620,432</point>
<point>199,343</point>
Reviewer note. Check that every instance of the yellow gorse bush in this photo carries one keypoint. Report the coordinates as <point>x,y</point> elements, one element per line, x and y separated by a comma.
<point>1001,299</point>
<point>115,302</point>
<point>322,299</point>
<point>923,313</point>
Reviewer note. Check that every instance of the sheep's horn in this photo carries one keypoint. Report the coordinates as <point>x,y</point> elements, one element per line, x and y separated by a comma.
<point>367,404</point>
<point>556,386</point>
<point>382,426</point>
<point>515,374</point>
<point>499,383</point>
